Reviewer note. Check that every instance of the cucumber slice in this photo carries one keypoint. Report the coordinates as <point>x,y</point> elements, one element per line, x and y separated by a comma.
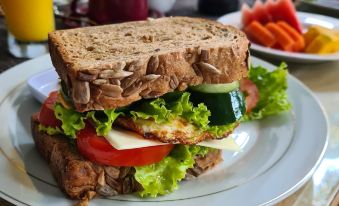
<point>215,88</point>
<point>225,108</point>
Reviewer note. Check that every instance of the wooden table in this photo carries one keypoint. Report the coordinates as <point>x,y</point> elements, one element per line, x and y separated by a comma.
<point>323,79</point>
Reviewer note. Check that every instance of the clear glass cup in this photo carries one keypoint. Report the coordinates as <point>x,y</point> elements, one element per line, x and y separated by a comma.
<point>28,24</point>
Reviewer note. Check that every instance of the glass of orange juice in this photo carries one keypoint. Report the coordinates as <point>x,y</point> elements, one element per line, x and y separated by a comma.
<point>28,23</point>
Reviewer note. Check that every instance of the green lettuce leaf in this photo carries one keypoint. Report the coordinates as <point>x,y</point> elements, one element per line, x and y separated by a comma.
<point>272,91</point>
<point>162,178</point>
<point>220,130</point>
<point>103,120</point>
<point>72,121</point>
<point>177,105</point>
<point>196,115</point>
<point>49,130</point>
<point>155,109</point>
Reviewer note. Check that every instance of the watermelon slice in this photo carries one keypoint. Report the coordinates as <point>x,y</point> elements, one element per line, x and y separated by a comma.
<point>257,13</point>
<point>284,10</point>
<point>246,15</point>
<point>260,12</point>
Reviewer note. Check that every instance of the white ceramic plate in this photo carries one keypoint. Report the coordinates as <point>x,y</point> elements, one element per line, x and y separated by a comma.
<point>306,19</point>
<point>278,155</point>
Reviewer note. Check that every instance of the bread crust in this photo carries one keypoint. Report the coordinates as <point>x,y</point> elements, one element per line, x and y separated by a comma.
<point>83,179</point>
<point>120,79</point>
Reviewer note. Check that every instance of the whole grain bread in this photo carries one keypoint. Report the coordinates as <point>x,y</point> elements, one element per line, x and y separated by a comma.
<point>83,179</point>
<point>111,66</point>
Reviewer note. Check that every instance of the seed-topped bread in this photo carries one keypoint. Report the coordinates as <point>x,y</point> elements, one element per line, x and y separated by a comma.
<point>111,66</point>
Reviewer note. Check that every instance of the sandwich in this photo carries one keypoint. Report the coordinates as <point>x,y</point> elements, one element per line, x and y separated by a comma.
<point>144,105</point>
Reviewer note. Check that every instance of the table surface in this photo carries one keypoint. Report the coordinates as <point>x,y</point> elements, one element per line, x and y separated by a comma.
<point>321,78</point>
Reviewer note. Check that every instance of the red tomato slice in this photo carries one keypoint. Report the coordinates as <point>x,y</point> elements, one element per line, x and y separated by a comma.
<point>251,92</point>
<point>46,114</point>
<point>98,149</point>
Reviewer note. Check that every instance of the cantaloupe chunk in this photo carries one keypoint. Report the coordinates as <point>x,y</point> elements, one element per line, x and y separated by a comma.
<point>321,40</point>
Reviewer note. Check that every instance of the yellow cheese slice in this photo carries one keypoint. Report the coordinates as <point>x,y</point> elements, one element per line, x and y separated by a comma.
<point>122,139</point>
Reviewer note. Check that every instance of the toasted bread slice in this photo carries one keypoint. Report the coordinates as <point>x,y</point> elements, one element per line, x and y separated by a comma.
<point>111,66</point>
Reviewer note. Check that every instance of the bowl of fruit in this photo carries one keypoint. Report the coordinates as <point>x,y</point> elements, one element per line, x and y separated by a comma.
<point>277,30</point>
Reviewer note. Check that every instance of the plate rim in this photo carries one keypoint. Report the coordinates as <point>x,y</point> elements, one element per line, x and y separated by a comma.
<point>291,56</point>
<point>296,186</point>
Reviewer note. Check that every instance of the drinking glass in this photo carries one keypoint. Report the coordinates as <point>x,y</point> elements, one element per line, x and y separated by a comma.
<point>28,24</point>
<point>112,11</point>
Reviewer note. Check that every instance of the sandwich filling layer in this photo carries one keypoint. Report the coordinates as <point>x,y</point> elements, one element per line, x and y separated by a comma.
<point>181,120</point>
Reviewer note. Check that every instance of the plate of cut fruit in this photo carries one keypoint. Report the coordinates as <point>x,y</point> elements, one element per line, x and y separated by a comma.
<point>277,30</point>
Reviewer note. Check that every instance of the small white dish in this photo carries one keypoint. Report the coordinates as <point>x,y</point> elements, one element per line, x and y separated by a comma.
<point>43,83</point>
<point>307,19</point>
